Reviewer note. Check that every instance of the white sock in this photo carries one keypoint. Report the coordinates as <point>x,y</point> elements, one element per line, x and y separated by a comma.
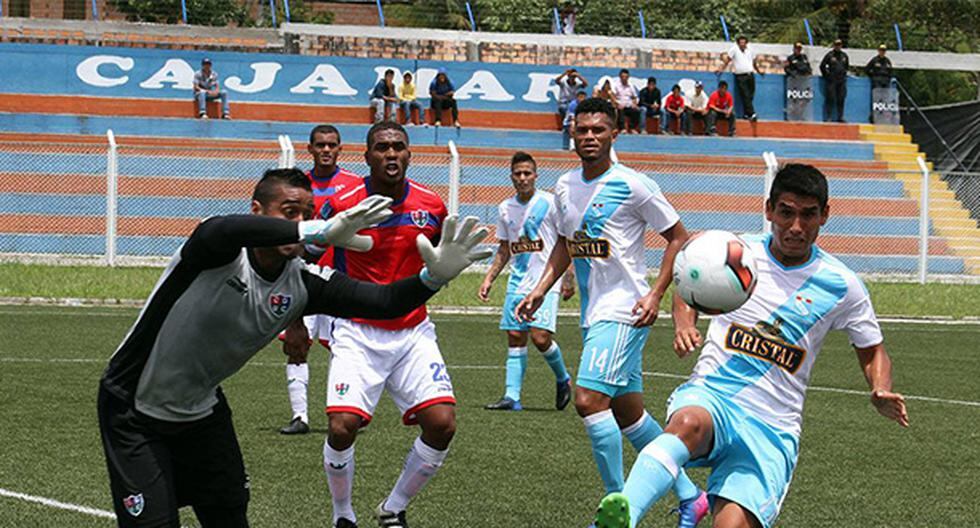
<point>339,467</point>
<point>297,378</point>
<point>420,465</point>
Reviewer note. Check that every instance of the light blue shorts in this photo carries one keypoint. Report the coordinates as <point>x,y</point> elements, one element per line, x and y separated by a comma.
<point>752,462</point>
<point>612,358</point>
<point>545,318</point>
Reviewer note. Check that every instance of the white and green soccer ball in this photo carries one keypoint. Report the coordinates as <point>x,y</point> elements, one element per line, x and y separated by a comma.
<point>714,272</point>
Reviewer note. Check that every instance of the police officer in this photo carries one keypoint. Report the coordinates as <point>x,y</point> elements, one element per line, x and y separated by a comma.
<point>879,69</point>
<point>834,70</point>
<point>797,65</point>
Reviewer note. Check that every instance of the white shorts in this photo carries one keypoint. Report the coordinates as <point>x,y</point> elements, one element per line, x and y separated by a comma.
<point>365,360</point>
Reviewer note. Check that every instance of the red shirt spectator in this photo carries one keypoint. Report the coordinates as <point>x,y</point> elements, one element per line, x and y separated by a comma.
<point>675,102</point>
<point>721,100</point>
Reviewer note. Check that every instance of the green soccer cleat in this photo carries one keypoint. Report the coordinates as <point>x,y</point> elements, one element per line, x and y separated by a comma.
<point>613,512</point>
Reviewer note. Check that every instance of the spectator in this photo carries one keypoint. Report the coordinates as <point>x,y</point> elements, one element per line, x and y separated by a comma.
<point>674,111</point>
<point>407,100</point>
<point>383,98</point>
<point>834,67</point>
<point>650,100</point>
<point>745,64</point>
<point>879,69</point>
<point>626,99</point>
<point>569,84</point>
<point>568,20</point>
<point>207,88</point>
<point>606,93</point>
<point>442,92</point>
<point>570,120</point>
<point>797,65</point>
<point>697,107</point>
<point>721,104</point>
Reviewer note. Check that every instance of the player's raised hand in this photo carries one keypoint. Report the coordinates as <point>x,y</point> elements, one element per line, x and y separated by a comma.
<point>341,230</point>
<point>686,340</point>
<point>891,405</point>
<point>455,251</point>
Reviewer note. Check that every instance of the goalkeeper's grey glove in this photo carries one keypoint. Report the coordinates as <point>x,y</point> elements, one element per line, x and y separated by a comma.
<point>341,230</point>
<point>454,253</point>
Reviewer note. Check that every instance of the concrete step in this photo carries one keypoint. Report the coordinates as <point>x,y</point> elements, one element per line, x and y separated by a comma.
<point>866,128</point>
<point>885,137</point>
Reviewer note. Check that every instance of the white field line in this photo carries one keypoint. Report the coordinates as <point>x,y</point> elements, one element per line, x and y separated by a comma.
<point>266,364</point>
<point>57,504</point>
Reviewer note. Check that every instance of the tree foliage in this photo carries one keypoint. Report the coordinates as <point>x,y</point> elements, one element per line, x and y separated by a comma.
<point>199,12</point>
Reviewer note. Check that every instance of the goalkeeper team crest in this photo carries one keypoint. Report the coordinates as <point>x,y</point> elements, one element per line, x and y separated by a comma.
<point>341,388</point>
<point>420,217</point>
<point>134,504</point>
<point>280,303</point>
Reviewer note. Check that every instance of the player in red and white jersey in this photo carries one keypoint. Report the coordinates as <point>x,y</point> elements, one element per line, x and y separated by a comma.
<point>400,355</point>
<point>326,179</point>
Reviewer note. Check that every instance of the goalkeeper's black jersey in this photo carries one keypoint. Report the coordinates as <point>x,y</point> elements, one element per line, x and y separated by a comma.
<point>211,311</point>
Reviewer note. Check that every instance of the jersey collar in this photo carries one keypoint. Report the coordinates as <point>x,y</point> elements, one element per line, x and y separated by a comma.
<point>408,188</point>
<point>814,250</point>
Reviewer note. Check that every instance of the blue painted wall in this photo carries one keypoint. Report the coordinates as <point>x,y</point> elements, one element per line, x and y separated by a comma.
<point>259,77</point>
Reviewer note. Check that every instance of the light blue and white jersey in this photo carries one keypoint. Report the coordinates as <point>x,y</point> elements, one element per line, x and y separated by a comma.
<point>604,221</point>
<point>761,355</point>
<point>530,230</point>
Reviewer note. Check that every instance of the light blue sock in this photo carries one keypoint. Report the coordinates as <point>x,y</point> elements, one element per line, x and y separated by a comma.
<point>653,473</point>
<point>642,433</point>
<point>556,362</point>
<point>516,365</point>
<point>607,448</point>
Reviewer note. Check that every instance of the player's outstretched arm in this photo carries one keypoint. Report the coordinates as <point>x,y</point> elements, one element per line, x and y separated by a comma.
<point>877,368</point>
<point>499,262</point>
<point>557,264</point>
<point>341,229</point>
<point>648,306</point>
<point>455,252</point>
<point>338,295</point>
<point>687,338</point>
<point>219,239</point>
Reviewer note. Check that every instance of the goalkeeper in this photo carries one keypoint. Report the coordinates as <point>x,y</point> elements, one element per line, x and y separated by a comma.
<point>228,291</point>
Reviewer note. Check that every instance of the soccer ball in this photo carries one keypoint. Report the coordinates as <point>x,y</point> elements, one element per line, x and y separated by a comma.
<point>714,272</point>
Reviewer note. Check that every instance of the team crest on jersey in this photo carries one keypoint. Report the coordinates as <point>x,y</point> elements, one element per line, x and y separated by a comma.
<point>280,303</point>
<point>765,341</point>
<point>341,388</point>
<point>134,504</point>
<point>420,217</point>
<point>802,305</point>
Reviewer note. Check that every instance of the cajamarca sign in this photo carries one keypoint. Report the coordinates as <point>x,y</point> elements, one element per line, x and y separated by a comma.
<point>169,74</point>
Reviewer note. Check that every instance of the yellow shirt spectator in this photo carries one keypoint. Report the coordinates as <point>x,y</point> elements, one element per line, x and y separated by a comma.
<point>406,92</point>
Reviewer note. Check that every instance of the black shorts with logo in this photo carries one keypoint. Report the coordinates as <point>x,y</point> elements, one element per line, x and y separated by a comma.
<point>155,467</point>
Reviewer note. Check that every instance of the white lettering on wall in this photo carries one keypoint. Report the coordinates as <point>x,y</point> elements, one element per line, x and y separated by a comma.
<point>88,70</point>
<point>540,88</point>
<point>265,76</point>
<point>328,79</point>
<point>486,85</point>
<point>176,72</point>
<point>423,78</point>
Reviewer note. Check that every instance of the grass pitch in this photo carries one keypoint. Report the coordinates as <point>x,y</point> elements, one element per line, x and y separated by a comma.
<point>527,469</point>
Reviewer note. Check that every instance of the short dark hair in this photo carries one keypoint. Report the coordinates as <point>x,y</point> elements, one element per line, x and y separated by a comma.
<point>522,157</point>
<point>389,71</point>
<point>723,83</point>
<point>624,70</point>
<point>265,189</point>
<point>324,129</point>
<point>651,79</point>
<point>596,105</point>
<point>741,37</point>
<point>383,125</point>
<point>675,87</point>
<point>799,179</point>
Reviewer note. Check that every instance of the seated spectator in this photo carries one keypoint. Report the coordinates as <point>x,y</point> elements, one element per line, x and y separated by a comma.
<point>207,88</point>
<point>407,100</point>
<point>383,98</point>
<point>674,111</point>
<point>569,120</point>
<point>626,99</point>
<point>442,92</point>
<point>606,92</point>
<point>697,107</point>
<point>569,83</point>
<point>721,104</point>
<point>650,100</point>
